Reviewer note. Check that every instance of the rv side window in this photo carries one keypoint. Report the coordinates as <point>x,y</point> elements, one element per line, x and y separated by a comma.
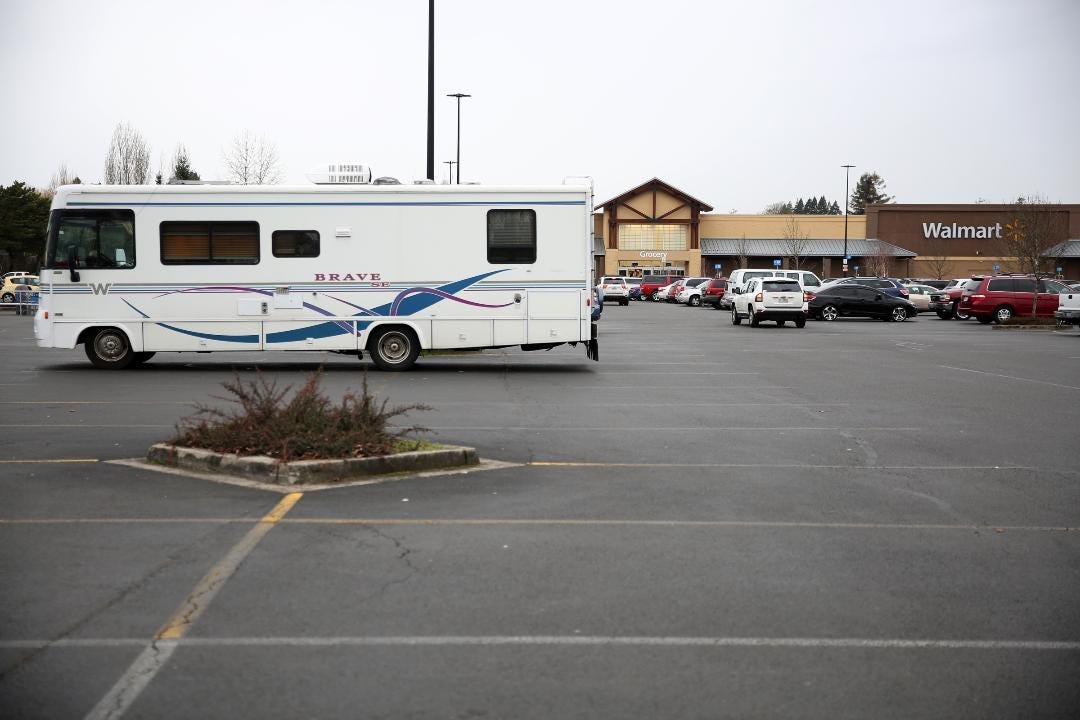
<point>511,236</point>
<point>295,243</point>
<point>209,243</point>
<point>101,239</point>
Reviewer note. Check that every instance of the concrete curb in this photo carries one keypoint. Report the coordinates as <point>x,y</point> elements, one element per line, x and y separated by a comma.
<point>303,472</point>
<point>1043,328</point>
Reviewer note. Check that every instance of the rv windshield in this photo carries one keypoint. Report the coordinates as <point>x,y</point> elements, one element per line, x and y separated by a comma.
<point>100,238</point>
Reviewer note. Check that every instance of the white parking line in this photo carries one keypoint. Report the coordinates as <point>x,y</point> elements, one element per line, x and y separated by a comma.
<point>1011,377</point>
<point>559,640</point>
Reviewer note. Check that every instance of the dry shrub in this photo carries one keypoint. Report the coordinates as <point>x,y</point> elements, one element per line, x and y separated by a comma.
<point>306,426</point>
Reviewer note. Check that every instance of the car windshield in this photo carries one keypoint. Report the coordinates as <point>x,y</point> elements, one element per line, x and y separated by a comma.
<point>694,282</point>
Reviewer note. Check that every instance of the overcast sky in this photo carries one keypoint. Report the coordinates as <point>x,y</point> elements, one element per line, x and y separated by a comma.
<point>740,104</point>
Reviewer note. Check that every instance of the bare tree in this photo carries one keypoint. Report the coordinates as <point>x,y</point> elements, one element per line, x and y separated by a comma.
<point>128,159</point>
<point>938,259</point>
<point>62,176</point>
<point>880,261</point>
<point>742,249</point>
<point>1028,237</point>
<point>796,242</point>
<point>252,160</point>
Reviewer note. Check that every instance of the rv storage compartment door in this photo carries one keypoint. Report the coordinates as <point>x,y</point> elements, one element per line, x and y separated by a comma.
<point>460,333</point>
<point>310,335</point>
<point>554,316</point>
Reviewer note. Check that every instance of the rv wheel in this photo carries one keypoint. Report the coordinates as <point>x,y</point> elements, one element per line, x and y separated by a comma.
<point>108,349</point>
<point>394,349</point>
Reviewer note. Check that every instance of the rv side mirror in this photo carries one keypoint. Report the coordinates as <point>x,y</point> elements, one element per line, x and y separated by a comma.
<point>73,263</point>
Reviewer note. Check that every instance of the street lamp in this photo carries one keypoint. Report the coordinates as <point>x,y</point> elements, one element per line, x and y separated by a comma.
<point>847,203</point>
<point>458,96</point>
<point>451,163</point>
<point>431,92</point>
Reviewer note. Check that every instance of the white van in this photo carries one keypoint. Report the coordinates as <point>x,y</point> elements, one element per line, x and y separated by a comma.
<point>739,278</point>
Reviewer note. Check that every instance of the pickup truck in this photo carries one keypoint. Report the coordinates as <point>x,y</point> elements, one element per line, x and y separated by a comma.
<point>1068,312</point>
<point>946,302</point>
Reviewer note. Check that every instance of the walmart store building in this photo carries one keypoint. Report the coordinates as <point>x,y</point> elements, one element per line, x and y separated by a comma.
<point>656,228</point>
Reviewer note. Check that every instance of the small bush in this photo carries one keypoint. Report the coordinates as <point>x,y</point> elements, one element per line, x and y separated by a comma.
<point>307,426</point>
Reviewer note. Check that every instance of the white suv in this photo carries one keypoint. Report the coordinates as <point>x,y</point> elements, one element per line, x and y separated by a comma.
<point>770,298</point>
<point>615,288</point>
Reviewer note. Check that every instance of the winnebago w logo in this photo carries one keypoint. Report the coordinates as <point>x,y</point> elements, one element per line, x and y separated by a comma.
<point>99,288</point>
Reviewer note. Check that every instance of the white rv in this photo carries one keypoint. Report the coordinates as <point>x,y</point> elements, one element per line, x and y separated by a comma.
<point>392,269</point>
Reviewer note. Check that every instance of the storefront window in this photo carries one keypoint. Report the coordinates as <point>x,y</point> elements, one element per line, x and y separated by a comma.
<point>654,237</point>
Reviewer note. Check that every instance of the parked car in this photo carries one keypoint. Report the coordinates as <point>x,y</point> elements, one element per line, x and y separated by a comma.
<point>851,300</point>
<point>597,305</point>
<point>770,298</point>
<point>651,284</point>
<point>635,288</point>
<point>998,298</point>
<point>713,291</point>
<point>615,289</point>
<point>1068,311</point>
<point>936,284</point>
<point>665,292</point>
<point>14,273</point>
<point>919,295</point>
<point>690,291</point>
<point>946,302</point>
<point>738,279</point>
<point>889,286</point>
<point>7,291</point>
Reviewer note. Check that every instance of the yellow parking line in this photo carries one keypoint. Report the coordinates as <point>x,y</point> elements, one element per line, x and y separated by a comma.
<point>195,604</point>
<point>48,462</point>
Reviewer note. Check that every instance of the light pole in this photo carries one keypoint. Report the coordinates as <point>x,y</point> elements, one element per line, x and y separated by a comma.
<point>451,163</point>
<point>847,203</point>
<point>458,96</point>
<point>431,92</point>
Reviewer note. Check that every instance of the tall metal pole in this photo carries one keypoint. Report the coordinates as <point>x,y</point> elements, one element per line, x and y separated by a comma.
<point>431,92</point>
<point>847,203</point>
<point>458,96</point>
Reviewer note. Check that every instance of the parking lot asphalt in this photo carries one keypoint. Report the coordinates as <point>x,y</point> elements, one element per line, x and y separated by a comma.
<point>855,519</point>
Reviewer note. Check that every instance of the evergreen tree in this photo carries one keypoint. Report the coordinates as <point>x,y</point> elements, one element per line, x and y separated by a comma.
<point>869,190</point>
<point>779,208</point>
<point>182,169</point>
<point>822,206</point>
<point>24,213</point>
<point>834,209</point>
<point>800,207</point>
<point>811,206</point>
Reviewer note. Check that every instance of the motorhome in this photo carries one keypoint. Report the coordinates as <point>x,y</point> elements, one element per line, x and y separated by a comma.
<point>131,271</point>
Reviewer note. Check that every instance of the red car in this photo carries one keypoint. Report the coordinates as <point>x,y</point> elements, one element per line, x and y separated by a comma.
<point>998,298</point>
<point>651,283</point>
<point>713,291</point>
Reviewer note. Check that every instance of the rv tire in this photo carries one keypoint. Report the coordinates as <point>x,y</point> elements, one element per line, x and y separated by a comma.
<point>394,348</point>
<point>109,349</point>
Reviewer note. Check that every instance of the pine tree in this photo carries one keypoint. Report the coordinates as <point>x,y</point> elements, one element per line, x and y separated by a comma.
<point>811,206</point>
<point>869,190</point>
<point>182,169</point>
<point>822,206</point>
<point>800,207</point>
<point>834,209</point>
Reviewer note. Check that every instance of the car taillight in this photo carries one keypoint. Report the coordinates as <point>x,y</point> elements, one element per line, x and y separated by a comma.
<point>976,297</point>
<point>807,296</point>
<point>903,292</point>
<point>757,298</point>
